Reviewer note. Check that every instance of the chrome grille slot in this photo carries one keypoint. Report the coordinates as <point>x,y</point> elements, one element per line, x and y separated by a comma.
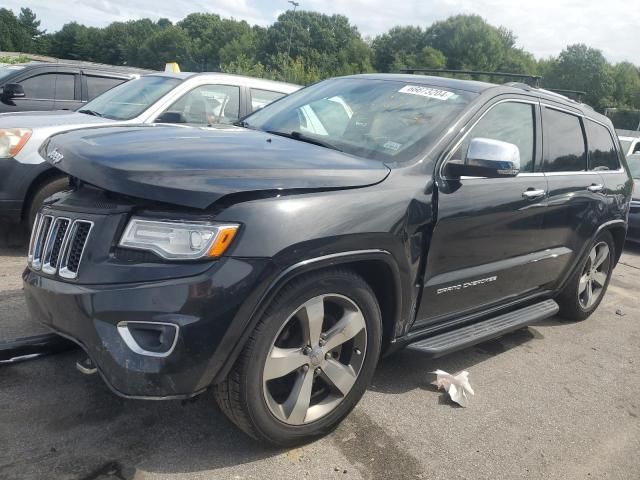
<point>39,235</point>
<point>54,244</point>
<point>32,239</point>
<point>74,248</point>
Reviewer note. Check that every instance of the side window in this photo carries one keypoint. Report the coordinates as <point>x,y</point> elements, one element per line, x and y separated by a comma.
<point>205,105</point>
<point>65,86</point>
<point>261,98</point>
<point>564,142</point>
<point>602,150</point>
<point>40,86</point>
<point>98,85</point>
<point>511,122</point>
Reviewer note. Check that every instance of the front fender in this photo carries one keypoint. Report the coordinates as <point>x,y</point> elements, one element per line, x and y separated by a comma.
<point>247,318</point>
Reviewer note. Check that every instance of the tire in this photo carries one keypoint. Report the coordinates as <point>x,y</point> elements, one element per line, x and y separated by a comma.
<point>45,191</point>
<point>575,302</point>
<point>270,410</point>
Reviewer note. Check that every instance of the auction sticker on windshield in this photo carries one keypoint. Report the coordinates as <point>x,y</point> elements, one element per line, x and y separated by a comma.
<point>427,92</point>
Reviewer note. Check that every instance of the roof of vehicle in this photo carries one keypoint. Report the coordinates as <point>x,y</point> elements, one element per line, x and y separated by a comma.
<point>83,65</point>
<point>234,79</point>
<point>468,85</point>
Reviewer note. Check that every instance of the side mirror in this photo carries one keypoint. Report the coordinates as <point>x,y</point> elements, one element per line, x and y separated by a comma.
<point>487,158</point>
<point>12,90</point>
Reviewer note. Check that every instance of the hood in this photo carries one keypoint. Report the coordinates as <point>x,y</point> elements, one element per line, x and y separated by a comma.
<point>56,118</point>
<point>194,167</point>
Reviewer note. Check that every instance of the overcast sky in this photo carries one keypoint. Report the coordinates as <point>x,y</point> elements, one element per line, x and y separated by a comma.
<point>543,27</point>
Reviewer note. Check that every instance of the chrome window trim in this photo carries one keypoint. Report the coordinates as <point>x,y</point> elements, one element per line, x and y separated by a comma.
<point>582,172</point>
<point>63,271</point>
<point>471,127</point>
<point>125,334</point>
<point>48,247</point>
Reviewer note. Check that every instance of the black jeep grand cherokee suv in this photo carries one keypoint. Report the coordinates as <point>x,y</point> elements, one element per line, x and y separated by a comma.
<point>276,260</point>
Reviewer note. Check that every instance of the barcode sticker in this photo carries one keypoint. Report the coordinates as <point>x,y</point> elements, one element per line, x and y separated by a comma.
<point>427,92</point>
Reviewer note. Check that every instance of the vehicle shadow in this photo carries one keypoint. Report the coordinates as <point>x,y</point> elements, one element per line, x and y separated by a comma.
<point>410,369</point>
<point>13,236</point>
<point>63,424</point>
<point>76,428</point>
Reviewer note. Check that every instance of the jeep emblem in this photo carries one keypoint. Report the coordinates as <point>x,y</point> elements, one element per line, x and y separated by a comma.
<point>55,156</point>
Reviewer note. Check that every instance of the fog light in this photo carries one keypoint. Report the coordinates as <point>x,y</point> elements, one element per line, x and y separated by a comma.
<point>153,339</point>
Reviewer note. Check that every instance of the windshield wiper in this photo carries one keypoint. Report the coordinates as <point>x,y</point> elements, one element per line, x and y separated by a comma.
<point>304,138</point>
<point>91,112</point>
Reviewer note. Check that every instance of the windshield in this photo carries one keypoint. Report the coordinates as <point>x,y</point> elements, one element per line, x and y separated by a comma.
<point>130,99</point>
<point>391,121</point>
<point>634,165</point>
<point>6,71</point>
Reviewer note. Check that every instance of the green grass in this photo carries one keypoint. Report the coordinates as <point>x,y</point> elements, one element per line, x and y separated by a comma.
<point>18,59</point>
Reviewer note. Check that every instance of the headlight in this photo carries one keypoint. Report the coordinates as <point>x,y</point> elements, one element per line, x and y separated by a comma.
<point>12,140</point>
<point>177,240</point>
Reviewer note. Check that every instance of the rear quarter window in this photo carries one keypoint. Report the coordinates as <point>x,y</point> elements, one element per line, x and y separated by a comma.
<point>261,98</point>
<point>98,85</point>
<point>602,149</point>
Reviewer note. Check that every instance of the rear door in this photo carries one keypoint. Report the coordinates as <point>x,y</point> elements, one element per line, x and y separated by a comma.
<point>577,202</point>
<point>486,246</point>
<point>67,89</point>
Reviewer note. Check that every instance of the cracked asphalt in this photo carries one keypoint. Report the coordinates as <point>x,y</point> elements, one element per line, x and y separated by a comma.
<point>553,401</point>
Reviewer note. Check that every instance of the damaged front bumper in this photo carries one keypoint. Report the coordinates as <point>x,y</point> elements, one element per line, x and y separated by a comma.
<point>151,340</point>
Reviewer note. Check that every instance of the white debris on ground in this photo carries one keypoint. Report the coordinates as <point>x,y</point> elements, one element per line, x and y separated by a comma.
<point>456,385</point>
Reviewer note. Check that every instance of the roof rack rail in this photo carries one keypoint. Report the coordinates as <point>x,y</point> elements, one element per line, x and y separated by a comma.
<point>534,79</point>
<point>563,92</point>
<point>530,81</point>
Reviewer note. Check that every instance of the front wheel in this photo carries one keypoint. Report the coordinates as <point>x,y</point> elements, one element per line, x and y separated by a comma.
<point>586,289</point>
<point>45,191</point>
<point>308,361</point>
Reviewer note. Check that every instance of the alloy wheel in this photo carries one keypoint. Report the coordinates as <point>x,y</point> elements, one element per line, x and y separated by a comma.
<point>315,359</point>
<point>594,275</point>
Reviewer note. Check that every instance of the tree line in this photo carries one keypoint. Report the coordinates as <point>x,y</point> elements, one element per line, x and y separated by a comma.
<point>304,47</point>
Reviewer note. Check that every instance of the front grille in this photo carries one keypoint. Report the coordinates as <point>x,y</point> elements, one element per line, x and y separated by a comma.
<point>57,245</point>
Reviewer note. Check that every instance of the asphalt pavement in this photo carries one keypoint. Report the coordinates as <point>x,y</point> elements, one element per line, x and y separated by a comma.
<point>553,401</point>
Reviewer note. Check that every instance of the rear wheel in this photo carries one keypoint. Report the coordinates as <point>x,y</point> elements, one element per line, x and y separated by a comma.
<point>308,361</point>
<point>587,287</point>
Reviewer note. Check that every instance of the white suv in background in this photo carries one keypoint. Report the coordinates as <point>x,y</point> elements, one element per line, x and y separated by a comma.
<point>629,140</point>
<point>197,99</point>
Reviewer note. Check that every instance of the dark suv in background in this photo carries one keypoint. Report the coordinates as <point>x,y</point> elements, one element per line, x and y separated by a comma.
<point>57,86</point>
<point>277,260</point>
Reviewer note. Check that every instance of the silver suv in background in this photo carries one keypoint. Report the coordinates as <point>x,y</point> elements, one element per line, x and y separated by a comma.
<point>196,99</point>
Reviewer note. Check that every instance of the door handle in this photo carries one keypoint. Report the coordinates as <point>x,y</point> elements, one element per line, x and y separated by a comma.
<point>595,187</point>
<point>533,193</point>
